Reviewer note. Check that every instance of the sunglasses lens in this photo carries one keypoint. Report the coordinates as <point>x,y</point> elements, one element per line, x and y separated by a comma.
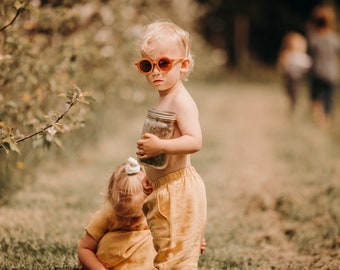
<point>164,64</point>
<point>145,65</point>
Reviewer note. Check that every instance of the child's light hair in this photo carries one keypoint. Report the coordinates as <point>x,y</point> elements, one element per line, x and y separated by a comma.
<point>293,53</point>
<point>161,30</point>
<point>125,191</point>
<point>294,41</point>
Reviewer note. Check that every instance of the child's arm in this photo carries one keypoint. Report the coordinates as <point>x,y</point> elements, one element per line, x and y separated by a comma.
<point>86,253</point>
<point>190,140</point>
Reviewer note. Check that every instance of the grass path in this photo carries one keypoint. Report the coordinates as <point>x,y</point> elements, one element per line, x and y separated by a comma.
<point>257,174</point>
<point>246,175</point>
<point>272,186</point>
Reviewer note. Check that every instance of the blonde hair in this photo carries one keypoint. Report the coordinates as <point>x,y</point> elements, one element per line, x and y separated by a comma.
<point>294,41</point>
<point>163,29</point>
<point>291,42</point>
<point>125,191</point>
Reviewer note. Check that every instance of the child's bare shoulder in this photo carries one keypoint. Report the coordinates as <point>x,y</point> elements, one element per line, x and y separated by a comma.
<point>184,103</point>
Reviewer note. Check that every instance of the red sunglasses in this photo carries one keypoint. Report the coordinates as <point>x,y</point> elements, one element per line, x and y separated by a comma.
<point>146,65</point>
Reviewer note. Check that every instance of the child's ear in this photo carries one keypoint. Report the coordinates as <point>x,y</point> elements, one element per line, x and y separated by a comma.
<point>185,65</point>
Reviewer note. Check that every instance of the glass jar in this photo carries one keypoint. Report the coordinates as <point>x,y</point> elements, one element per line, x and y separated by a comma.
<point>161,124</point>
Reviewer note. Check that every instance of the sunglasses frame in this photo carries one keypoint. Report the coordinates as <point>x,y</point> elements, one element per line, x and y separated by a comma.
<point>156,63</point>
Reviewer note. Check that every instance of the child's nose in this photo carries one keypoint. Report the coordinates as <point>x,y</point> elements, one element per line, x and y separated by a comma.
<point>155,69</point>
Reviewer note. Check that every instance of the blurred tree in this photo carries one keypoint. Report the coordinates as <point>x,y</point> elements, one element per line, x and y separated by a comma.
<point>47,46</point>
<point>35,69</point>
<point>260,24</point>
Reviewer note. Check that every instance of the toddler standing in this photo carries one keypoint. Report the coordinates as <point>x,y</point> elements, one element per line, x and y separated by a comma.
<point>176,207</point>
<point>293,63</point>
<point>324,48</point>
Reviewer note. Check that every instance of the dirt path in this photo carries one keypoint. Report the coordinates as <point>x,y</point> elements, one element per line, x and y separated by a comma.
<point>249,178</point>
<point>245,177</point>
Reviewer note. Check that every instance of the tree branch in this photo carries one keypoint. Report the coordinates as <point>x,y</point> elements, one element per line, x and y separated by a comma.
<point>48,126</point>
<point>12,21</point>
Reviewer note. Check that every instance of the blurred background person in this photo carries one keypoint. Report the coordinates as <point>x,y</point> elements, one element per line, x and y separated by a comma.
<point>293,62</point>
<point>323,47</point>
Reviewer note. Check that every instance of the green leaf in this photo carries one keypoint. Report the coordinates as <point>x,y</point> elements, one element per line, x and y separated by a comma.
<point>90,99</point>
<point>18,4</point>
<point>11,144</point>
<point>46,144</point>
<point>82,100</point>
<point>5,147</point>
<point>58,143</point>
<point>69,95</point>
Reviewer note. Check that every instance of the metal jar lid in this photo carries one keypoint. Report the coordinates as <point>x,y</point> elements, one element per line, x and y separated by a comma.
<point>171,116</point>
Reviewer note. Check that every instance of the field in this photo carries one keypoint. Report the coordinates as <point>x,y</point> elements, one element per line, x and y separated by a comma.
<point>272,182</point>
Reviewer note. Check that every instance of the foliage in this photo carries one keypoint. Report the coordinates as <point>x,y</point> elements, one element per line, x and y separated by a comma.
<point>9,138</point>
<point>29,86</point>
<point>48,45</point>
<point>265,24</point>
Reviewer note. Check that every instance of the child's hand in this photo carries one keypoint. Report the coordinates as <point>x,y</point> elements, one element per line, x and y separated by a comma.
<point>203,245</point>
<point>148,146</point>
<point>147,187</point>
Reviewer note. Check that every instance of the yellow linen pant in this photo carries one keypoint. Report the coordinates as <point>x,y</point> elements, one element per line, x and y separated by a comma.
<point>176,214</point>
